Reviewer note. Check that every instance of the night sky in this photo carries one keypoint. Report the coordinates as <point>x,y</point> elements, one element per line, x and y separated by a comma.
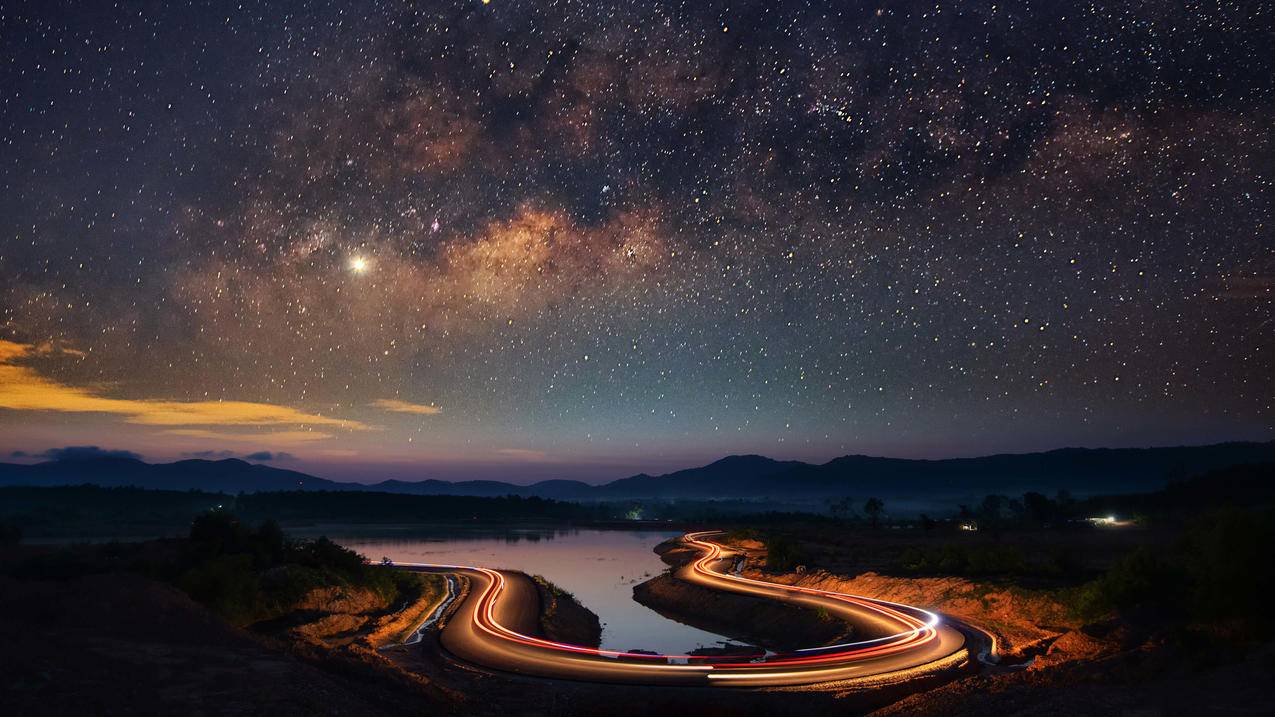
<point>582,239</point>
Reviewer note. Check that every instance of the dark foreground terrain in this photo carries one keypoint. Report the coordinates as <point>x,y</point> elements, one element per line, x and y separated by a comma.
<point>1161,613</point>
<point>121,642</point>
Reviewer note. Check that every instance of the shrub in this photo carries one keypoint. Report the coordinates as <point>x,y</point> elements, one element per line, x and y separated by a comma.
<point>958,560</point>
<point>783,554</point>
<point>914,559</point>
<point>248,575</point>
<point>1226,558</point>
<point>1217,573</point>
<point>228,585</point>
<point>993,560</point>
<point>1139,579</point>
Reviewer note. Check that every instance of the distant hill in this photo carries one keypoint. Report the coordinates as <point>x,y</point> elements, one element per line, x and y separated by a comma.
<point>1079,470</point>
<point>730,477</point>
<point>227,476</point>
<point>1083,471</point>
<point>1249,485</point>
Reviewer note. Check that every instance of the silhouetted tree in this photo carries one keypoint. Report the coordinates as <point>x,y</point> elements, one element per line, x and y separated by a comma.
<point>873,508</point>
<point>991,513</point>
<point>927,523</point>
<point>1040,509</point>
<point>840,507</point>
<point>1065,503</point>
<point>783,553</point>
<point>217,532</point>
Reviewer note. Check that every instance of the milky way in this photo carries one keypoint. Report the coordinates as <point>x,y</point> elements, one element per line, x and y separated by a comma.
<point>579,238</point>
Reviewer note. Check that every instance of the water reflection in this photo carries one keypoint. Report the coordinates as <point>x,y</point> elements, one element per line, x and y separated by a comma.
<point>600,567</point>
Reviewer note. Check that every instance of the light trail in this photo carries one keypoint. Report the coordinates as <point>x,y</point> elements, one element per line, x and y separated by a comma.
<point>918,630</point>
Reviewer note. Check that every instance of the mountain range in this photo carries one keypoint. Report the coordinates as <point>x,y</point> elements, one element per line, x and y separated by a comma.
<point>1082,471</point>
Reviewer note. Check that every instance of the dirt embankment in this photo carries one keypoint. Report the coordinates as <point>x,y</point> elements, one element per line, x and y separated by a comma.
<point>397,626</point>
<point>758,621</point>
<point>341,600</point>
<point>563,619</point>
<point>341,616</point>
<point>1143,680</point>
<point>332,613</point>
<point>1023,622</point>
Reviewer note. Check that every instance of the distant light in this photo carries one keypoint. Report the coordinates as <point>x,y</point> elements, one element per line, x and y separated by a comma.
<point>1106,520</point>
<point>359,265</point>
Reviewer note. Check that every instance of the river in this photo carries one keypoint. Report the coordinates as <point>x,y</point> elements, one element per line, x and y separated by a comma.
<point>599,567</point>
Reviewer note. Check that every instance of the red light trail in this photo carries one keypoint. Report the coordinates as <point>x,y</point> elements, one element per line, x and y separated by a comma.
<point>916,637</point>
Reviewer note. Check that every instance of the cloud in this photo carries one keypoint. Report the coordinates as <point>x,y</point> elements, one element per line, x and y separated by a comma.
<point>77,453</point>
<point>524,454</point>
<point>269,456</point>
<point>209,455</point>
<point>289,438</point>
<point>390,404</point>
<point>257,456</point>
<point>24,389</point>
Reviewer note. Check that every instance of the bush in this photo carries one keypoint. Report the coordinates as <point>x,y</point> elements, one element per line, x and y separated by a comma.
<point>1226,556</point>
<point>783,554</point>
<point>914,560</point>
<point>228,585</point>
<point>958,560</point>
<point>994,560</point>
<point>738,534</point>
<point>1219,572</point>
<point>248,575</point>
<point>1138,580</point>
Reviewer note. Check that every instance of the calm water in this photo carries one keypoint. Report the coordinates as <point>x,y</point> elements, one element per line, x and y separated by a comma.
<point>600,567</point>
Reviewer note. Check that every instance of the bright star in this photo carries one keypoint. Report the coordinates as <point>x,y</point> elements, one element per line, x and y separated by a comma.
<point>358,265</point>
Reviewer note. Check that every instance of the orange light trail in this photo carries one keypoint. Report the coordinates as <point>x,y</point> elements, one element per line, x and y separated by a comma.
<point>914,631</point>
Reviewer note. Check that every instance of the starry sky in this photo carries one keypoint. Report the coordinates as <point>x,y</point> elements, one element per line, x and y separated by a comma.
<point>524,240</point>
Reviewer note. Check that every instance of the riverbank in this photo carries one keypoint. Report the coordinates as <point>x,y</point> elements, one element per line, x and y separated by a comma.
<point>1018,624</point>
<point>563,618</point>
<point>757,621</point>
<point>88,632</point>
<point>89,513</point>
<point>1047,658</point>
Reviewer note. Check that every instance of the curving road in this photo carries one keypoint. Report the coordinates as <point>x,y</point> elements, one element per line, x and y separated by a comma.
<point>496,624</point>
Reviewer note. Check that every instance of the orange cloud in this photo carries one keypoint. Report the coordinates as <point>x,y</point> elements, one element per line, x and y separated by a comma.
<point>390,404</point>
<point>524,454</point>
<point>271,438</point>
<point>24,389</point>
